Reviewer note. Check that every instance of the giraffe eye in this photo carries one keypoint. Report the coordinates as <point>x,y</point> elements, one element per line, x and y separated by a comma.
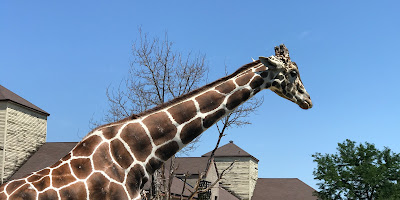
<point>293,73</point>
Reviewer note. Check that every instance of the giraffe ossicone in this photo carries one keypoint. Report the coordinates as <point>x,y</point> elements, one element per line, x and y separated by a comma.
<point>114,161</point>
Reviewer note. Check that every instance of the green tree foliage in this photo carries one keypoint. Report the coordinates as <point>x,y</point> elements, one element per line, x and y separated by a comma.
<point>358,172</point>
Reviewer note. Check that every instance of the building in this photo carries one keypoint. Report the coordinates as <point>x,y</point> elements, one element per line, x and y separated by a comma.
<point>242,178</point>
<point>23,128</point>
<point>187,173</point>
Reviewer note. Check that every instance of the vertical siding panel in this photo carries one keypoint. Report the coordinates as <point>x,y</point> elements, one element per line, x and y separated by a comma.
<point>3,133</point>
<point>241,178</point>
<point>26,132</point>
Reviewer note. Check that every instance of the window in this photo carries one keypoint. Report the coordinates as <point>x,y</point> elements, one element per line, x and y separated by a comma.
<point>204,195</point>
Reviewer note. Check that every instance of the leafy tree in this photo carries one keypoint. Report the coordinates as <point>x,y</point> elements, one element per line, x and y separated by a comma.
<point>358,172</point>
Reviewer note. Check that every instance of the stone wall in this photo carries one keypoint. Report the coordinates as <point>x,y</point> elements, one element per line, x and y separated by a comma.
<point>242,178</point>
<point>24,132</point>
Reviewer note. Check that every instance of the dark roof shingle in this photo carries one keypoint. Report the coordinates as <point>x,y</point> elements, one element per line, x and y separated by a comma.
<point>190,165</point>
<point>230,150</point>
<point>282,189</point>
<point>48,154</point>
<point>7,95</point>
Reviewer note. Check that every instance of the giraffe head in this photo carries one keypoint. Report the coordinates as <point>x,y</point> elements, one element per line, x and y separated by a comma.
<point>282,76</point>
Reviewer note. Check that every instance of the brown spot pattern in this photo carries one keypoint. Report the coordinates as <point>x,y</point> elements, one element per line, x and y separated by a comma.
<point>48,195</point>
<point>44,172</point>
<point>86,147</point>
<point>120,154</point>
<point>256,82</point>
<point>191,130</point>
<point>226,87</point>
<point>98,187</point>
<point>74,191</point>
<point>134,180</point>
<point>2,195</point>
<point>34,177</point>
<point>153,165</point>
<point>24,193</point>
<point>102,161</point>
<point>167,150</point>
<point>111,131</point>
<point>160,127</point>
<point>14,185</point>
<point>67,157</point>
<point>138,141</point>
<point>42,183</point>
<point>115,172</point>
<point>244,79</point>
<point>81,167</point>
<point>237,98</point>
<point>117,192</point>
<point>62,176</point>
<point>210,119</point>
<point>56,164</point>
<point>209,101</point>
<point>102,158</point>
<point>183,112</point>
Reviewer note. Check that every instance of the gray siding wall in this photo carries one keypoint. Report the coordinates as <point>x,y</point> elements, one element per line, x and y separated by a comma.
<point>241,179</point>
<point>253,176</point>
<point>3,108</point>
<point>212,177</point>
<point>26,132</point>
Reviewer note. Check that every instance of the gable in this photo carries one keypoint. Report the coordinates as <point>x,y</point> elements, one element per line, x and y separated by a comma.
<point>230,150</point>
<point>7,95</point>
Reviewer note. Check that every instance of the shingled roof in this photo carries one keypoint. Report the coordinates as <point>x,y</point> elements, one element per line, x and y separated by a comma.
<point>48,154</point>
<point>230,150</point>
<point>189,165</point>
<point>282,189</point>
<point>7,95</point>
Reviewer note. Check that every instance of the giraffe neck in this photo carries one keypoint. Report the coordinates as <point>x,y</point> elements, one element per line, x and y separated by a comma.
<point>163,131</point>
<point>146,142</point>
<point>117,159</point>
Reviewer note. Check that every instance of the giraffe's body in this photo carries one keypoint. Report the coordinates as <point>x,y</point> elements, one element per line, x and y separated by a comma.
<point>115,160</point>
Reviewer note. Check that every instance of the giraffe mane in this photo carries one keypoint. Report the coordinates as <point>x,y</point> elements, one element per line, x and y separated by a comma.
<point>198,90</point>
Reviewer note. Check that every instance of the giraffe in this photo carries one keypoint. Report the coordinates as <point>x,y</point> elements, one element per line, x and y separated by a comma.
<point>114,161</point>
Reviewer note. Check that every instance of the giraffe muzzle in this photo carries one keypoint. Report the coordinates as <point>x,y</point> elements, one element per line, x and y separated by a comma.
<point>306,104</point>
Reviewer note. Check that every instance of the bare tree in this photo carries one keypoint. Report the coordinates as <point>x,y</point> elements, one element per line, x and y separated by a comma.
<point>158,74</point>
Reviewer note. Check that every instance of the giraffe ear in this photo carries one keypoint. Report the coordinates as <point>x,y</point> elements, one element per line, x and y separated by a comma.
<point>268,62</point>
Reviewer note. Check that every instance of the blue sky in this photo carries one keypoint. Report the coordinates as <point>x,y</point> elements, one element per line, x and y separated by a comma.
<point>61,57</point>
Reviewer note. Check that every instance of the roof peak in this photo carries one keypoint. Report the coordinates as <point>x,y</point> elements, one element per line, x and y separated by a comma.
<point>8,95</point>
<point>230,150</point>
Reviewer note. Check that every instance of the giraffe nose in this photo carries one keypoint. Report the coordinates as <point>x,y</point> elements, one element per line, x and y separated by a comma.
<point>306,104</point>
<point>310,105</point>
